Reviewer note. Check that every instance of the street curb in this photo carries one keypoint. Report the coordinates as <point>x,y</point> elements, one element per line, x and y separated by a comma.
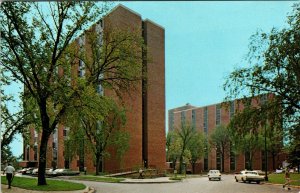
<point>89,190</point>
<point>162,182</point>
<point>292,186</point>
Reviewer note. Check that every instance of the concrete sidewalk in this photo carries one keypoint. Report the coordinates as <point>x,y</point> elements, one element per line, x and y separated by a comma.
<point>4,189</point>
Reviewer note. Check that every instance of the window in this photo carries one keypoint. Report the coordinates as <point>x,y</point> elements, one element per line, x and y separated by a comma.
<point>81,69</point>
<point>205,120</point>
<point>67,70</point>
<point>54,144</point>
<point>182,117</point>
<point>247,102</point>
<point>171,120</point>
<point>247,160</point>
<point>99,31</point>
<point>219,156</point>
<point>232,159</point>
<point>206,156</point>
<point>218,114</point>
<point>35,149</point>
<point>35,137</point>
<point>27,152</point>
<point>263,99</point>
<point>99,88</point>
<point>65,131</point>
<point>263,160</point>
<point>194,118</point>
<point>205,163</point>
<point>231,109</point>
<point>81,66</point>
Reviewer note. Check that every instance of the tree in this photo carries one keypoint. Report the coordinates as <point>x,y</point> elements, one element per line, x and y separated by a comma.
<point>113,63</point>
<point>100,128</point>
<point>12,121</point>
<point>245,133</point>
<point>220,138</point>
<point>185,134</point>
<point>37,47</point>
<point>185,144</point>
<point>293,148</point>
<point>196,148</point>
<point>275,68</point>
<point>173,145</point>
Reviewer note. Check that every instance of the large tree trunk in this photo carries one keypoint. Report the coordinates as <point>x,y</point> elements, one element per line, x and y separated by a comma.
<point>180,164</point>
<point>273,160</point>
<point>222,162</point>
<point>250,161</point>
<point>44,143</point>
<point>98,163</point>
<point>43,159</point>
<point>193,167</point>
<point>174,164</point>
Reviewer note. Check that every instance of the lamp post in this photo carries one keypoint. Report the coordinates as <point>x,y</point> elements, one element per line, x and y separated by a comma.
<point>266,157</point>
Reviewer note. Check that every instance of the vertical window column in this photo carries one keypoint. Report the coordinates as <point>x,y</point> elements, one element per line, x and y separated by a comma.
<point>232,159</point>
<point>205,120</point>
<point>81,66</point>
<point>182,117</point>
<point>55,147</point>
<point>218,114</point>
<point>231,110</point>
<point>194,118</point>
<point>35,146</point>
<point>171,120</point>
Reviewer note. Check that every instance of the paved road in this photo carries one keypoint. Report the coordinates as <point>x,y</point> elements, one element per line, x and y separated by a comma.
<point>191,185</point>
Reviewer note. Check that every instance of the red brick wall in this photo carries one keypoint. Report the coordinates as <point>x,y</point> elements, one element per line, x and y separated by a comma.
<point>154,103</point>
<point>121,18</point>
<point>154,100</point>
<point>225,119</point>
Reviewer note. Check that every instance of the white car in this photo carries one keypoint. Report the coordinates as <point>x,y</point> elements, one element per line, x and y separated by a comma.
<point>214,174</point>
<point>248,176</point>
<point>65,172</point>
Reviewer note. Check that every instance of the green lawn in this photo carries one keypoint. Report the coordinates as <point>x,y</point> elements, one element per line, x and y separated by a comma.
<point>98,178</point>
<point>52,185</point>
<point>279,179</point>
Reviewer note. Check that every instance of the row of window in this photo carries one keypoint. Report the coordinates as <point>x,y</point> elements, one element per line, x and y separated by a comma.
<point>205,117</point>
<point>81,67</point>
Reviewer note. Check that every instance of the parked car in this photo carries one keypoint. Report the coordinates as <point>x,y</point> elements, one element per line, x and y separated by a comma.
<point>35,171</point>
<point>214,174</point>
<point>65,172</point>
<point>23,171</point>
<point>278,171</point>
<point>50,172</point>
<point>26,171</point>
<point>248,176</point>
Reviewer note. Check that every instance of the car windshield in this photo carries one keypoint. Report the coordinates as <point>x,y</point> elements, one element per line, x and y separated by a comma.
<point>251,173</point>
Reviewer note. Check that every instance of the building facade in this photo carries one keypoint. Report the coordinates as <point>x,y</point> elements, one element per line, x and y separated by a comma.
<point>205,119</point>
<point>145,115</point>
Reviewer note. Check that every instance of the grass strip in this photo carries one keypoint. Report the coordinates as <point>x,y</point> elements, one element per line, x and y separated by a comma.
<point>52,185</point>
<point>279,179</point>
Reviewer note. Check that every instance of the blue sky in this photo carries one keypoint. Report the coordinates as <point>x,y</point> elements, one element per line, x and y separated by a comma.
<point>204,41</point>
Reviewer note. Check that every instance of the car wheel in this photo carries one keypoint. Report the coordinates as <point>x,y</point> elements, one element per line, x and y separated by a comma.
<point>257,182</point>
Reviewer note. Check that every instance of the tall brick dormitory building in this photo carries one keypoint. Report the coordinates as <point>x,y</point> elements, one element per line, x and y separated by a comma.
<point>146,108</point>
<point>205,119</point>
